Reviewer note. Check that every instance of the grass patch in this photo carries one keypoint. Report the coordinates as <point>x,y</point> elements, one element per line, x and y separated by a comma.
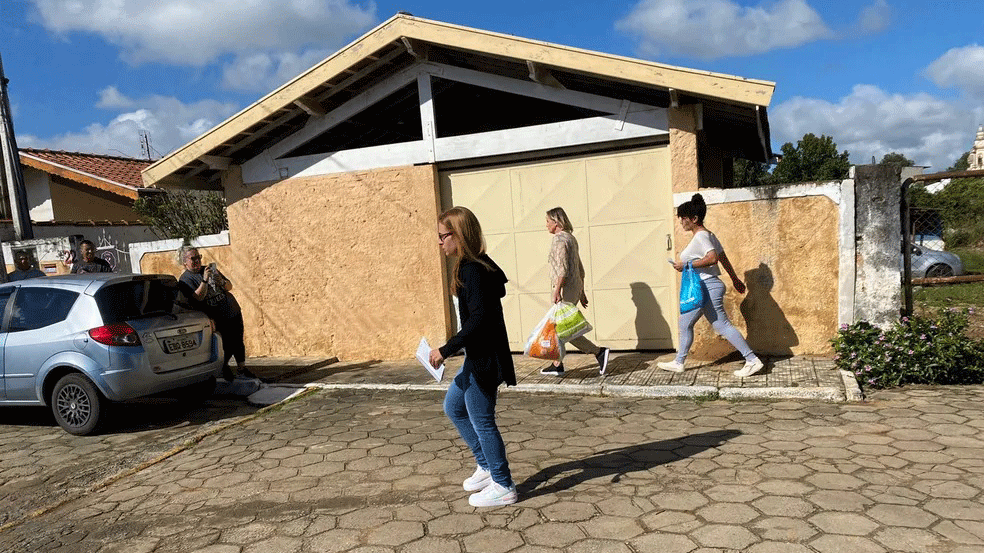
<point>973,259</point>
<point>970,294</point>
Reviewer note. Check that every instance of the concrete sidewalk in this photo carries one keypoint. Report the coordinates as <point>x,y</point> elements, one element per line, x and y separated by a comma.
<point>630,374</point>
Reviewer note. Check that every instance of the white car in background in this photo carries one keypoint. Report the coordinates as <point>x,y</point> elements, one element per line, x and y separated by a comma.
<point>927,263</point>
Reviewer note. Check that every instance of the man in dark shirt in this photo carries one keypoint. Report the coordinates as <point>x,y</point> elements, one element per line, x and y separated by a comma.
<point>90,263</point>
<point>211,294</point>
<point>22,260</point>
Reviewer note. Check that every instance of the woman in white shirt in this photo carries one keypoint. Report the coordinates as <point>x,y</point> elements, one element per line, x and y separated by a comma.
<point>704,252</point>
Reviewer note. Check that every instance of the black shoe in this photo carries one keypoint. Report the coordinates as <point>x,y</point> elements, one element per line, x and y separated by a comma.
<point>552,370</point>
<point>227,374</point>
<point>246,373</point>
<point>602,357</point>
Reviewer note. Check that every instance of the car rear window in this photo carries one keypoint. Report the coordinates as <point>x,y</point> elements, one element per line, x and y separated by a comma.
<point>135,299</point>
<point>39,307</point>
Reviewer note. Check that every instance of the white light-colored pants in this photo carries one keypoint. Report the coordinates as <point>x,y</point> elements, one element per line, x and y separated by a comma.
<point>713,309</point>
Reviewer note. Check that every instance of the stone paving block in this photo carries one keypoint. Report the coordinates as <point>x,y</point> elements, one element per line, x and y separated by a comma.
<point>724,536</point>
<point>843,523</point>
<point>778,547</point>
<point>784,529</point>
<point>664,543</point>
<point>397,532</point>
<point>841,544</point>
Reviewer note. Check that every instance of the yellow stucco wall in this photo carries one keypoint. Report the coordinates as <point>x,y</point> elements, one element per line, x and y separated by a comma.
<point>73,202</point>
<point>683,148</point>
<point>344,265</point>
<point>167,263</point>
<point>786,251</point>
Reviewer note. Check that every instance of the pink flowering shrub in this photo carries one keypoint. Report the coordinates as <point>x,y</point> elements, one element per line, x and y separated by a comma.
<point>916,350</point>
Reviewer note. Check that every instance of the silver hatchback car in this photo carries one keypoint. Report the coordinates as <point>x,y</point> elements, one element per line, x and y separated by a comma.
<point>74,342</point>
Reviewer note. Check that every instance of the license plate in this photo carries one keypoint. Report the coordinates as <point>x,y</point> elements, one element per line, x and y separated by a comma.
<point>176,344</point>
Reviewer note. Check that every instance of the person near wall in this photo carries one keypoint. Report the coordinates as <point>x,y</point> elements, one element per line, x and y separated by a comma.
<point>470,402</point>
<point>24,268</point>
<point>211,294</point>
<point>89,263</point>
<point>704,252</point>
<point>567,283</point>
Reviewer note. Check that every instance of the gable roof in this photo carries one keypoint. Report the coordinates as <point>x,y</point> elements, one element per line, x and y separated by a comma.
<point>736,103</point>
<point>118,175</point>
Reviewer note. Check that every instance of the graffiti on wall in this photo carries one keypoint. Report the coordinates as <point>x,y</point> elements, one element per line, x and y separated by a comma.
<point>112,251</point>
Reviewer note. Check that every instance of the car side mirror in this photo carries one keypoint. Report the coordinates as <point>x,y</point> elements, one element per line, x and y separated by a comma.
<point>916,251</point>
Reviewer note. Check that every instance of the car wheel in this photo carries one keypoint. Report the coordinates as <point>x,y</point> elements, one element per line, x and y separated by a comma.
<point>76,404</point>
<point>939,270</point>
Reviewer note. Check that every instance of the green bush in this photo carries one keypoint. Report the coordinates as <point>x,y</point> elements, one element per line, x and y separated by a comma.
<point>917,350</point>
<point>183,214</point>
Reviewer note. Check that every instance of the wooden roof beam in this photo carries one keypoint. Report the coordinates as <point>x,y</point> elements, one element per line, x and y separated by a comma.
<point>311,106</point>
<point>217,163</point>
<point>415,48</point>
<point>542,75</point>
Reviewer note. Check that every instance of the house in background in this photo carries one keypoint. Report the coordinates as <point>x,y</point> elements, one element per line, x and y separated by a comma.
<point>74,195</point>
<point>334,182</point>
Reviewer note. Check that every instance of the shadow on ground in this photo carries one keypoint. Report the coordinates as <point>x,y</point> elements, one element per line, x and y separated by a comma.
<point>142,414</point>
<point>614,463</point>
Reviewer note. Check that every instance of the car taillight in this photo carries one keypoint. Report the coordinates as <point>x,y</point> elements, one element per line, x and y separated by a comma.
<point>119,334</point>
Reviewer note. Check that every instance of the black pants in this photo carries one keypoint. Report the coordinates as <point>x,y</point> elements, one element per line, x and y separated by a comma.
<point>232,330</point>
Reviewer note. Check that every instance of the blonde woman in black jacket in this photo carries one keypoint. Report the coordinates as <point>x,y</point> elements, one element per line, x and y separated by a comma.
<point>470,401</point>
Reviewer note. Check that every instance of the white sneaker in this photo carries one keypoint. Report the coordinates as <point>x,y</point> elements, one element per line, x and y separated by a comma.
<point>672,366</point>
<point>493,495</point>
<point>477,481</point>
<point>750,368</point>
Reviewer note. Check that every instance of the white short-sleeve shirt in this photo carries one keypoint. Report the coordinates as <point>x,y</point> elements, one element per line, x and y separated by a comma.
<point>703,242</point>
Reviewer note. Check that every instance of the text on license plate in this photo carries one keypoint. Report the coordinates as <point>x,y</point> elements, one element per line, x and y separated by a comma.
<point>177,344</point>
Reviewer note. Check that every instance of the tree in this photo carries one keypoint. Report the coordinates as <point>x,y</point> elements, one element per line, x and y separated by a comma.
<point>897,159</point>
<point>812,159</point>
<point>962,163</point>
<point>750,173</point>
<point>183,214</point>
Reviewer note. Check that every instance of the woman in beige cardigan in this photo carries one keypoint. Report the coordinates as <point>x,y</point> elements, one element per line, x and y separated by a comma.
<point>567,283</point>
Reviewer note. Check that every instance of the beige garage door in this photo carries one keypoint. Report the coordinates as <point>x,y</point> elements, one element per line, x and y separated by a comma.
<point>621,208</point>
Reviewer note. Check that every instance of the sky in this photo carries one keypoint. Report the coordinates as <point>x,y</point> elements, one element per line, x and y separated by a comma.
<point>877,76</point>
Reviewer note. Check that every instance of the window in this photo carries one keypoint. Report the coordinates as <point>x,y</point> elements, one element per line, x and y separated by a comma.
<point>40,307</point>
<point>4,298</point>
<point>134,299</point>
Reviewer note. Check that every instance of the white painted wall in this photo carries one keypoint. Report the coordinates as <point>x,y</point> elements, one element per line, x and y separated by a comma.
<point>38,188</point>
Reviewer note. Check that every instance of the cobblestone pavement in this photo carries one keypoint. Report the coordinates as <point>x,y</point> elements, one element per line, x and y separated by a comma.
<point>796,377</point>
<point>374,471</point>
<point>41,464</point>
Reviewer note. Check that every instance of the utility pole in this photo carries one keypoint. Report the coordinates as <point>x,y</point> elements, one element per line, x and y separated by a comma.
<point>12,174</point>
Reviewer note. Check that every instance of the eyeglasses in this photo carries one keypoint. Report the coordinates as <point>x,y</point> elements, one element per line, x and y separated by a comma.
<point>195,257</point>
<point>443,236</point>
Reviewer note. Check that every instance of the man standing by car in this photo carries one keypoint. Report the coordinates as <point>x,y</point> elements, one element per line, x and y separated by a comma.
<point>24,268</point>
<point>90,263</point>
<point>210,293</point>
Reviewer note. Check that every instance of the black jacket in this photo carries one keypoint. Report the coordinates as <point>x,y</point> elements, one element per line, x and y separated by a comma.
<point>483,328</point>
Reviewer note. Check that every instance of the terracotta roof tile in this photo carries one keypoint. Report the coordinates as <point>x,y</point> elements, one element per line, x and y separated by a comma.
<point>123,170</point>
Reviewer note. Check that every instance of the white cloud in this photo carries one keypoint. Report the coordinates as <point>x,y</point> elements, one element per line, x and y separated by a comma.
<point>716,28</point>
<point>876,17</point>
<point>169,122</point>
<point>111,98</point>
<point>201,32</point>
<point>960,68</point>
<point>871,122</point>
<point>267,71</point>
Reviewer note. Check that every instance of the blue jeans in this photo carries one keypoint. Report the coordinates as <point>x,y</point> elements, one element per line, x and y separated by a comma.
<point>713,309</point>
<point>472,411</point>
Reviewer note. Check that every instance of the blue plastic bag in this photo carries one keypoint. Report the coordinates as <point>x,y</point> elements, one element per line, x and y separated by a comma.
<point>691,291</point>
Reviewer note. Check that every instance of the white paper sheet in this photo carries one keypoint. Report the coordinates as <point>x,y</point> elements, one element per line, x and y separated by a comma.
<point>423,355</point>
